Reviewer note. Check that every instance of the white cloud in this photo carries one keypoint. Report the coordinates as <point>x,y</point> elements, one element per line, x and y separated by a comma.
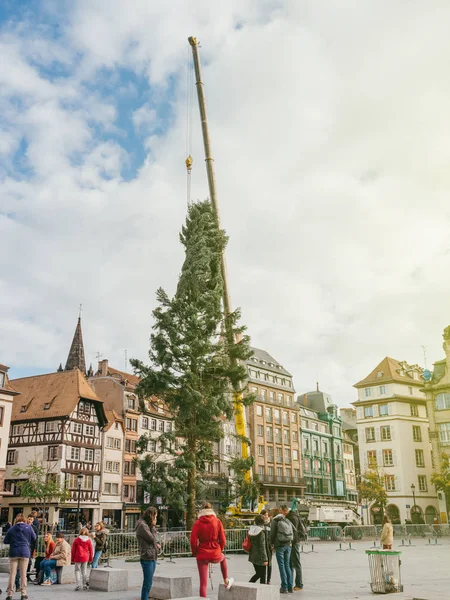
<point>329,129</point>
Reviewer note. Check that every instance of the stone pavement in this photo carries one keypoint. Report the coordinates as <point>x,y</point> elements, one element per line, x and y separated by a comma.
<point>327,575</point>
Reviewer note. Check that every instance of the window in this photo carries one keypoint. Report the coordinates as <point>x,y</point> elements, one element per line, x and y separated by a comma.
<point>108,466</point>
<point>77,428</point>
<point>278,434</point>
<point>132,468</point>
<point>442,401</point>
<point>88,482</point>
<point>287,454</point>
<point>254,389</point>
<point>52,426</point>
<point>144,422</point>
<point>107,488</point>
<point>417,434</point>
<point>293,418</point>
<point>131,402</point>
<point>277,415</point>
<point>116,467</point>
<point>126,491</point>
<point>370,434</point>
<point>268,414</point>
<point>296,472</point>
<point>153,424</point>
<point>88,454</point>
<point>89,430</point>
<point>294,454</point>
<point>11,457</point>
<point>52,453</point>
<point>74,453</point>
<point>84,407</point>
<point>325,448</point>
<point>126,467</point>
<point>117,444</point>
<point>152,445</point>
<point>2,378</point>
<point>423,486</point>
<point>260,450</point>
<point>294,436</point>
<point>388,459</point>
<point>269,433</point>
<point>260,430</point>
<point>109,442</point>
<point>306,444</point>
<point>134,424</point>
<point>316,445</point>
<point>279,452</point>
<point>2,412</point>
<point>382,390</point>
<point>259,410</point>
<point>368,412</point>
<point>386,433</point>
<point>389,483</point>
<point>384,410</point>
<point>368,392</point>
<point>270,451</point>
<point>261,470</point>
<point>420,459</point>
<point>161,426</point>
<point>410,390</point>
<point>444,432</point>
<point>414,410</point>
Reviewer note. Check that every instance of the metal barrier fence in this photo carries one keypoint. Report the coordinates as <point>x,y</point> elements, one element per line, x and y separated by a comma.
<point>327,533</point>
<point>361,532</point>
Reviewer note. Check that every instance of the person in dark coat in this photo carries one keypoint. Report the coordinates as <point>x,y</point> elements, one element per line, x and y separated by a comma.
<point>148,546</point>
<point>258,554</point>
<point>266,516</point>
<point>296,565</point>
<point>19,538</point>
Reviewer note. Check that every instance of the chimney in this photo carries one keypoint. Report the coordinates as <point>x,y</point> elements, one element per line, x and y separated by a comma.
<point>103,367</point>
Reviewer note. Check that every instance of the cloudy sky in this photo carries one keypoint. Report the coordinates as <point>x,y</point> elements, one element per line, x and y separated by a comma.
<point>330,127</point>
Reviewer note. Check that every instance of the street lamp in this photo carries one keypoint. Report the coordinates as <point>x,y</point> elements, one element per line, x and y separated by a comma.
<point>79,480</point>
<point>413,490</point>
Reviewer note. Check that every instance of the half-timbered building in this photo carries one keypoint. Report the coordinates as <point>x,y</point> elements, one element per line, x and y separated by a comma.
<point>57,420</point>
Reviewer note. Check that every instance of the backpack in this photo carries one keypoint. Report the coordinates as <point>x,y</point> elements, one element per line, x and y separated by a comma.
<point>247,544</point>
<point>285,530</point>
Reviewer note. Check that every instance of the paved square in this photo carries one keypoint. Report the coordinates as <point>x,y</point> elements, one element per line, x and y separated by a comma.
<point>327,575</point>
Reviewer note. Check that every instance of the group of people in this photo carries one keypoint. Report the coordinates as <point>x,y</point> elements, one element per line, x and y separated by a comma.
<point>22,540</point>
<point>282,535</point>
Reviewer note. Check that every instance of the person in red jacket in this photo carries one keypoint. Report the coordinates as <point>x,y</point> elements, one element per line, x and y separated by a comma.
<point>82,553</point>
<point>207,544</point>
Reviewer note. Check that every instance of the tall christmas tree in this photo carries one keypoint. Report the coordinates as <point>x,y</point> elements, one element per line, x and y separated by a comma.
<point>195,360</point>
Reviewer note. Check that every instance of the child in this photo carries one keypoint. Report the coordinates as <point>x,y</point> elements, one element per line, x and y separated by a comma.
<point>258,554</point>
<point>82,553</point>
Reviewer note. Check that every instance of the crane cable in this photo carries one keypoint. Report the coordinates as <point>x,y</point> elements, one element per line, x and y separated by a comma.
<point>189,100</point>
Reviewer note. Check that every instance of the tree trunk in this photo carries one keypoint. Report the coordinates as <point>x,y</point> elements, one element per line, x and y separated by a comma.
<point>191,488</point>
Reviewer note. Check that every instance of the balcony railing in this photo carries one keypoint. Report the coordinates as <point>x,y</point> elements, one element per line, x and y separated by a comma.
<point>266,478</point>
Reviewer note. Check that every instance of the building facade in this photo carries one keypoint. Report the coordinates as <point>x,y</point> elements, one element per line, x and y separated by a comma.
<point>321,447</point>
<point>56,422</point>
<point>393,437</point>
<point>7,394</point>
<point>437,393</point>
<point>273,426</point>
<point>111,505</point>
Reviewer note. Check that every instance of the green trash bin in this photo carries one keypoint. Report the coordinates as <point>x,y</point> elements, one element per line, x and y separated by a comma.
<point>385,571</point>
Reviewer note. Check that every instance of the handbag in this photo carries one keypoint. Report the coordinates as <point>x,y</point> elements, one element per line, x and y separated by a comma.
<point>247,544</point>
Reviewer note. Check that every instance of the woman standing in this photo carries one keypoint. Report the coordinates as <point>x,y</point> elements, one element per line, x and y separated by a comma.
<point>99,537</point>
<point>207,545</point>
<point>387,533</point>
<point>20,538</point>
<point>266,516</point>
<point>146,537</point>
<point>258,552</point>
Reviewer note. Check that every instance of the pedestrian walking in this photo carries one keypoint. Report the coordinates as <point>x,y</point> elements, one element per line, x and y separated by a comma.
<point>266,516</point>
<point>99,538</point>
<point>19,538</point>
<point>148,546</point>
<point>258,554</point>
<point>29,520</point>
<point>387,533</point>
<point>281,536</point>
<point>300,535</point>
<point>207,544</point>
<point>82,554</point>
<point>60,557</point>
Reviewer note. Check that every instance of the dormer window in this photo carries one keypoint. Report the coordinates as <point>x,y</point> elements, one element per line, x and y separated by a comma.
<point>47,406</point>
<point>380,374</point>
<point>23,408</point>
<point>2,379</point>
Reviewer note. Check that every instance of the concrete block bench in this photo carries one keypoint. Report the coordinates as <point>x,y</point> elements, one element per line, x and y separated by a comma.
<point>249,591</point>
<point>166,588</point>
<point>108,580</point>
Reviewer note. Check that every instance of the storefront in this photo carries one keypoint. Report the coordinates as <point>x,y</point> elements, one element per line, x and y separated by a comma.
<point>112,518</point>
<point>68,518</point>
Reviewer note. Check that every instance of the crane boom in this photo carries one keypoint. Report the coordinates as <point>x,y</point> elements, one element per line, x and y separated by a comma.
<point>239,411</point>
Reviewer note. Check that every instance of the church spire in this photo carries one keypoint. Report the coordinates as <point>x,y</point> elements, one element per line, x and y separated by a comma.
<point>76,359</point>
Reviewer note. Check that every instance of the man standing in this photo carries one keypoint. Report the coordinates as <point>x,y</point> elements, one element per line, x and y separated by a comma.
<point>299,536</point>
<point>281,536</point>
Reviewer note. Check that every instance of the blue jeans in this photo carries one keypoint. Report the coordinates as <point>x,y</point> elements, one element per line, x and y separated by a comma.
<point>148,568</point>
<point>97,555</point>
<point>283,555</point>
<point>48,565</point>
